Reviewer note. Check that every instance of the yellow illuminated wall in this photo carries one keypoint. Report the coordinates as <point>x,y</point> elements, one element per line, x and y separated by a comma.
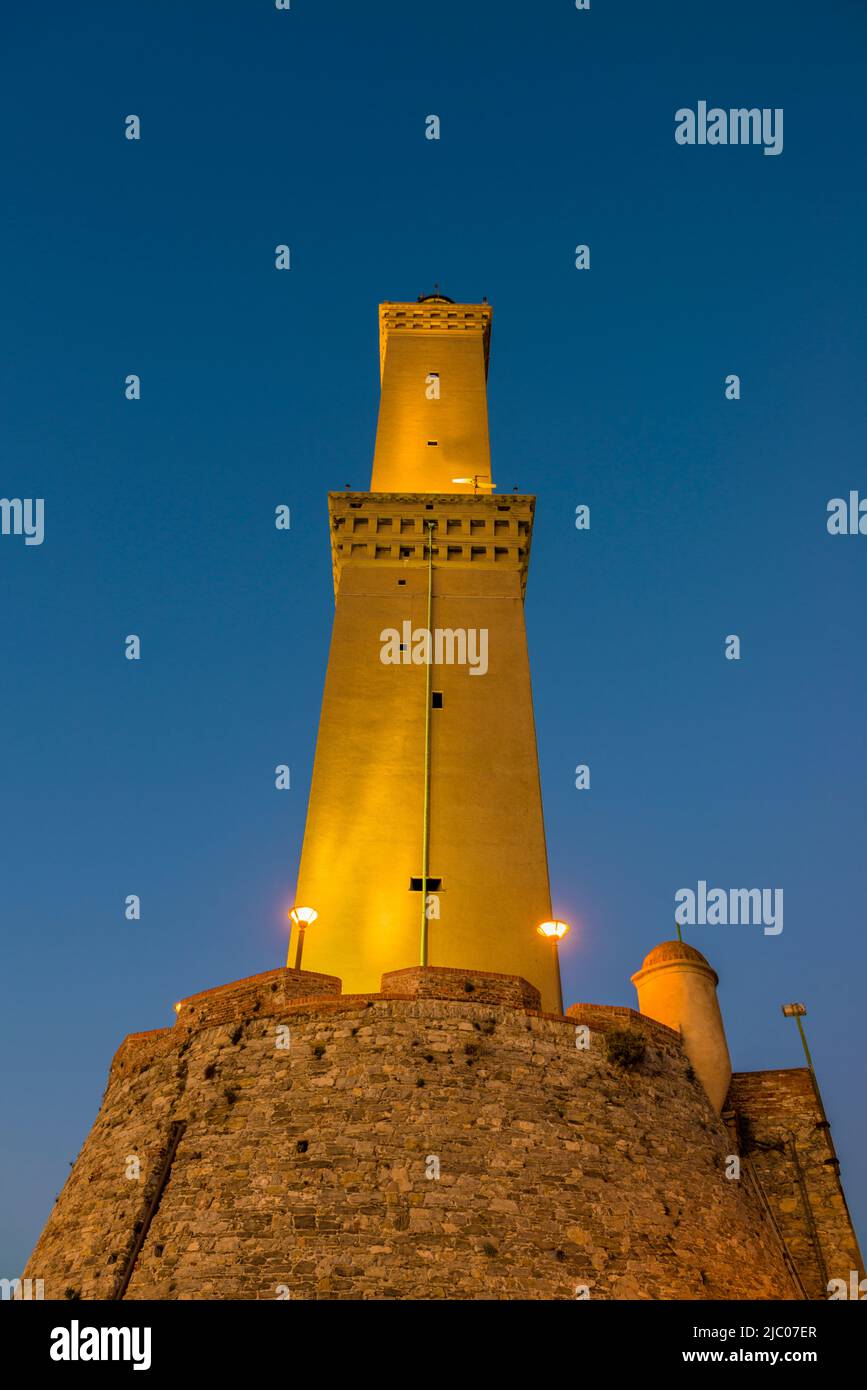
<point>363,838</point>
<point>423,443</point>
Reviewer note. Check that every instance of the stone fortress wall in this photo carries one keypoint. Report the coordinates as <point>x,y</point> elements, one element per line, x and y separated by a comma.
<point>302,1171</point>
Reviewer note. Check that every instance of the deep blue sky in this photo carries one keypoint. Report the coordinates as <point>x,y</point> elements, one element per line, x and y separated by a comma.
<point>708,516</point>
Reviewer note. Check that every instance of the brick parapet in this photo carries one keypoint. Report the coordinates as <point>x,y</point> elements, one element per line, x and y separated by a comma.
<point>607,1017</point>
<point>474,986</point>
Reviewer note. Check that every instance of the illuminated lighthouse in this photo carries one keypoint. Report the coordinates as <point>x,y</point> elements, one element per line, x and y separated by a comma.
<point>424,841</point>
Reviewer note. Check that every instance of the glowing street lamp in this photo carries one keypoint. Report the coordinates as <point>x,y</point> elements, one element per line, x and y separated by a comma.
<point>557,930</point>
<point>554,932</point>
<point>302,917</point>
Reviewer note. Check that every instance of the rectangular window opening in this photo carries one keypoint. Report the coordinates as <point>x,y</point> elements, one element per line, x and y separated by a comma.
<point>436,699</point>
<point>433,885</point>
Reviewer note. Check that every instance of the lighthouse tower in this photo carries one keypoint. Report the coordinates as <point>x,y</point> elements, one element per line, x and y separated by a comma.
<point>424,842</point>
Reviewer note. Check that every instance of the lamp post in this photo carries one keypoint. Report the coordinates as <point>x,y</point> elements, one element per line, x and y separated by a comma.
<point>554,931</point>
<point>799,1011</point>
<point>302,917</point>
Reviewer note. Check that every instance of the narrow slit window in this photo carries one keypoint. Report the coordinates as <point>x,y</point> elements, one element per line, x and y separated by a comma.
<point>433,884</point>
<point>436,699</point>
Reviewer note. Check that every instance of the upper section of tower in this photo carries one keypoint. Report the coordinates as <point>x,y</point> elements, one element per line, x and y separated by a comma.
<point>432,434</point>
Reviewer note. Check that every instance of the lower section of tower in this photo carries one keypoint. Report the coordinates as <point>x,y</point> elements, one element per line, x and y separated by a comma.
<point>424,840</point>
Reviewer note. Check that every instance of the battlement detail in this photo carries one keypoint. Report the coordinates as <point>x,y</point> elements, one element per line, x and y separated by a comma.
<point>391,528</point>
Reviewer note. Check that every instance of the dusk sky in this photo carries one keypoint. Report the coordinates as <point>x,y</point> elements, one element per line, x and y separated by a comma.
<point>607,388</point>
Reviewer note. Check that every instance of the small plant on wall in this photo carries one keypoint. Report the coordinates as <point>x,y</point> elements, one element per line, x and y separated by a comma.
<point>626,1049</point>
